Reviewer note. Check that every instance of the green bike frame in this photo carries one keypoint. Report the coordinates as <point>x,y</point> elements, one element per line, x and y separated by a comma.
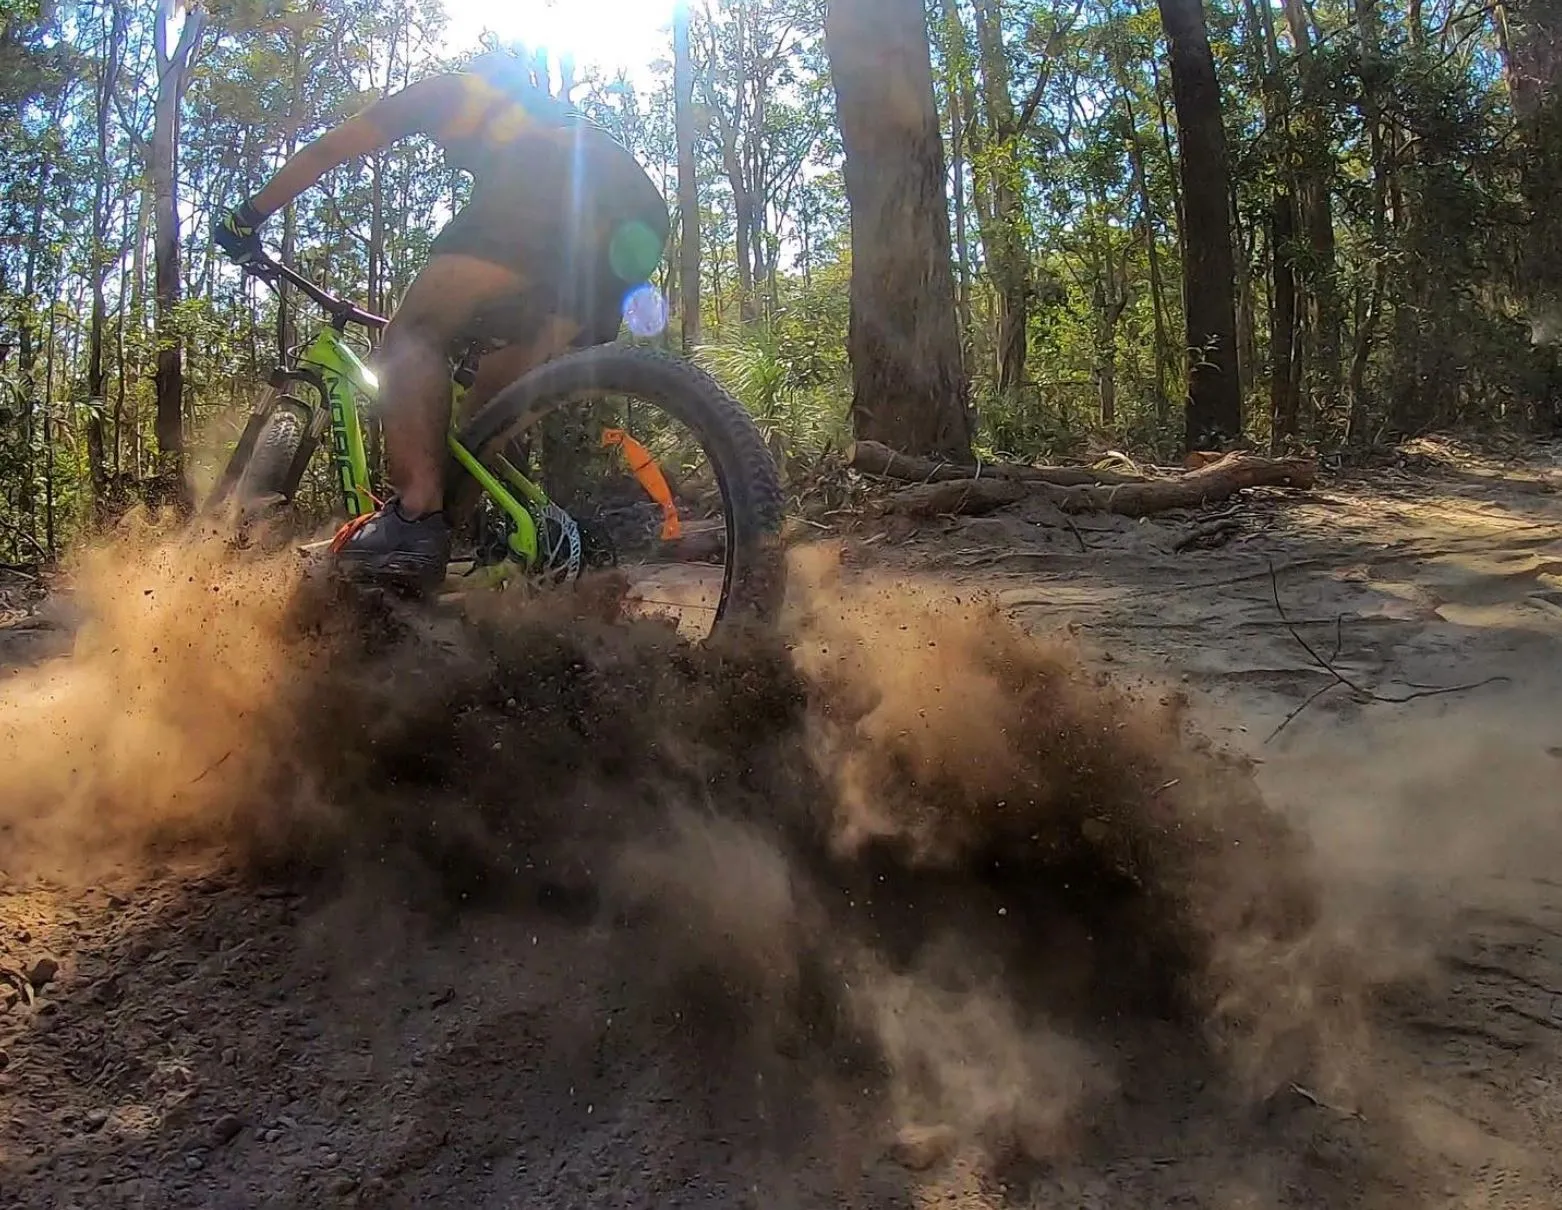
<point>342,378</point>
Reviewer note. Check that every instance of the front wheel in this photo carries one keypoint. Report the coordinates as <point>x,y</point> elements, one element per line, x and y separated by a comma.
<point>264,480</point>
<point>566,419</point>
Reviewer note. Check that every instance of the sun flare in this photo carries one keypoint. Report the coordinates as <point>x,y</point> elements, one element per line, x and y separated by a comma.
<point>607,34</point>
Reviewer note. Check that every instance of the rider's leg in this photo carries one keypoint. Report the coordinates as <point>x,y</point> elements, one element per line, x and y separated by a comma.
<point>407,543</point>
<point>503,366</point>
<point>414,370</point>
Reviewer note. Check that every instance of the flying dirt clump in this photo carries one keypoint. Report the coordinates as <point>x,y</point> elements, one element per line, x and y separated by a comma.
<point>899,838</point>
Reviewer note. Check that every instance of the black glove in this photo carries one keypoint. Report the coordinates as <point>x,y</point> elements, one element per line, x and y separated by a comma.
<point>237,233</point>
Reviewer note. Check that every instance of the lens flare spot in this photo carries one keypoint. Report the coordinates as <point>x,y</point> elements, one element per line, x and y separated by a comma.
<point>645,310</point>
<point>634,250</point>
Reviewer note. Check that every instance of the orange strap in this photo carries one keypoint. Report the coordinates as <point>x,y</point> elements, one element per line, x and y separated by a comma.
<point>354,524</point>
<point>650,476</point>
<point>345,534</point>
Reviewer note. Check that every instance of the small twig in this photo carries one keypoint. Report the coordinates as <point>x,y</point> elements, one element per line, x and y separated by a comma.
<point>19,532</point>
<point>933,474</point>
<point>1362,693</point>
<point>1232,581</point>
<point>1308,1095</point>
<point>1074,529</point>
<point>213,767</point>
<point>1292,717</point>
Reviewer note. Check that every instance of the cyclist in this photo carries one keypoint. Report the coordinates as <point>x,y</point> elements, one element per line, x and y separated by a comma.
<point>562,225</point>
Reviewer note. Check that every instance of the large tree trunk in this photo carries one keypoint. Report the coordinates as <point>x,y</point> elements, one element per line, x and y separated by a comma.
<point>1285,354</point>
<point>1214,411</point>
<point>966,147</point>
<point>688,180</point>
<point>1314,169</point>
<point>1151,249</point>
<point>1282,322</point>
<point>1531,37</point>
<point>173,77</point>
<point>909,390</point>
<point>1007,254</point>
<point>108,74</point>
<point>1367,24</point>
<point>1109,299</point>
<point>28,351</point>
<point>957,120</point>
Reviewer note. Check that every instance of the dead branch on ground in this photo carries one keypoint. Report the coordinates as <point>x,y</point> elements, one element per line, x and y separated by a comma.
<point>970,497</point>
<point>872,458</point>
<point>1359,692</point>
<point>1210,484</point>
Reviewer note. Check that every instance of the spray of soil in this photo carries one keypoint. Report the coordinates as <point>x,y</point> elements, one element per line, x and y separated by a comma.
<point>900,838</point>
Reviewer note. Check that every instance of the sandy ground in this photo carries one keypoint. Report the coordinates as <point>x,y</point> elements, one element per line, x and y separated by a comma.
<point>344,1024</point>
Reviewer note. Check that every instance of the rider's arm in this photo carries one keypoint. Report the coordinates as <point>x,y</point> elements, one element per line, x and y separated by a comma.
<point>421,108</point>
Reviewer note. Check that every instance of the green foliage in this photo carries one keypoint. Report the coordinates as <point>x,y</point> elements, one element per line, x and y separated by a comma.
<point>790,371</point>
<point>1406,129</point>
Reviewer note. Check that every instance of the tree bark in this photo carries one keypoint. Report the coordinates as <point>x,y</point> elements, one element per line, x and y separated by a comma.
<point>1282,321</point>
<point>1316,209</point>
<point>729,135</point>
<point>1532,34</point>
<point>1368,28</point>
<point>1151,249</point>
<point>1110,299</point>
<point>909,389</point>
<point>1214,408</point>
<point>1008,257</point>
<point>286,336</point>
<point>27,349</point>
<point>173,77</point>
<point>956,68</point>
<point>108,74</point>
<point>688,180</point>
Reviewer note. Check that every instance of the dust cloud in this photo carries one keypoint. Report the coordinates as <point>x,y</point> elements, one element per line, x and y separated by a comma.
<point>900,836</point>
<point>157,723</point>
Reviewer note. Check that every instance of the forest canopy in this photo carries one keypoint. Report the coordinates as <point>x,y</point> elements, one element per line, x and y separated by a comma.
<point>1320,223</point>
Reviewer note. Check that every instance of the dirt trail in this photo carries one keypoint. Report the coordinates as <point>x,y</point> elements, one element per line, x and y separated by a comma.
<point>909,910</point>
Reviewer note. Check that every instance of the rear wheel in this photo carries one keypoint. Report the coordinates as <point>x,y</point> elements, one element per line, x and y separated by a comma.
<point>719,559</point>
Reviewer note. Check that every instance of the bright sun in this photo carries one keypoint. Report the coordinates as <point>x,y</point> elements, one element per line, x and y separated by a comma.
<point>608,34</point>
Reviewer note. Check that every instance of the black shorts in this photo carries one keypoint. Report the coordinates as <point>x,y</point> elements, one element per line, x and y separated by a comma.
<point>578,265</point>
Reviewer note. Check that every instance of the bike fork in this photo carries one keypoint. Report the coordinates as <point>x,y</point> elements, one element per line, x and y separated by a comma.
<point>229,478</point>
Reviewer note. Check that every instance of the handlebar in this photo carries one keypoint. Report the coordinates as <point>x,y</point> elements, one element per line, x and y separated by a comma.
<point>340,310</point>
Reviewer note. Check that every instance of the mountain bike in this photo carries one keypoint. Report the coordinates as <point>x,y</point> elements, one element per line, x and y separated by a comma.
<point>657,472</point>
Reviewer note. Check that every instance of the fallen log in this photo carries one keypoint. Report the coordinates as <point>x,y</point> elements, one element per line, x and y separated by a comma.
<point>970,497</point>
<point>872,458</point>
<point>1207,485</point>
